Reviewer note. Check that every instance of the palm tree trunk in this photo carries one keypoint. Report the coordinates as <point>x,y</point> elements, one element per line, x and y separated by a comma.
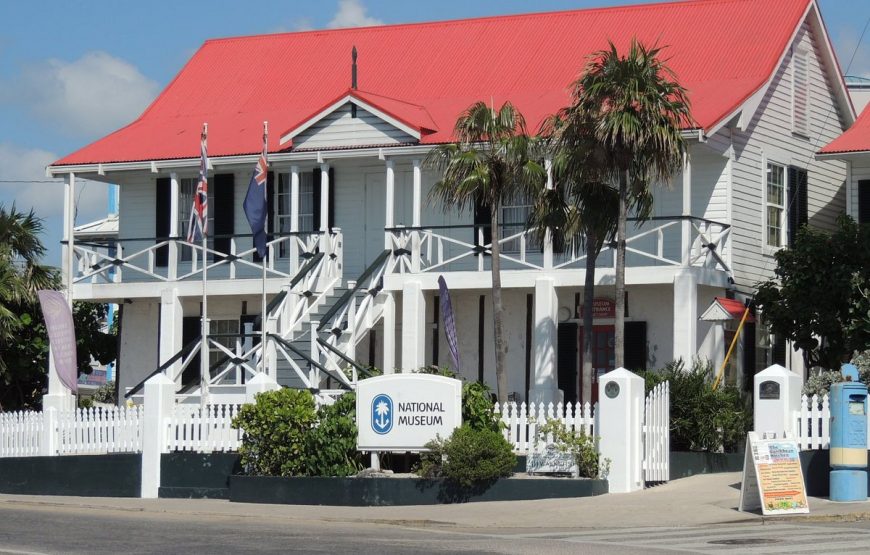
<point>588,299</point>
<point>498,311</point>
<point>619,323</point>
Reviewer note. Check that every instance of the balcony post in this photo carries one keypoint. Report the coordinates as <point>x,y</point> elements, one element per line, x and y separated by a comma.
<point>416,217</point>
<point>172,270</point>
<point>548,234</point>
<point>413,326</point>
<point>294,218</point>
<point>390,200</point>
<point>170,333</point>
<point>389,360</point>
<point>324,205</point>
<point>686,223</point>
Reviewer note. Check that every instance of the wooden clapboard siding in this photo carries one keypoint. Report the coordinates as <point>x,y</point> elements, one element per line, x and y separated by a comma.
<point>136,218</point>
<point>769,137</point>
<point>340,129</point>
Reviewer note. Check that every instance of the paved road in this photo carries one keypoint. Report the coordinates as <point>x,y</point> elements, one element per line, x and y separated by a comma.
<point>47,528</point>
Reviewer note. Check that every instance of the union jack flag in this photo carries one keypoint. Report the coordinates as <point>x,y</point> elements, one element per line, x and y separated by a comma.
<point>255,204</point>
<point>197,228</point>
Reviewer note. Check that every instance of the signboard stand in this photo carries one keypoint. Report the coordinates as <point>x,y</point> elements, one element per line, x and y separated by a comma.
<point>772,477</point>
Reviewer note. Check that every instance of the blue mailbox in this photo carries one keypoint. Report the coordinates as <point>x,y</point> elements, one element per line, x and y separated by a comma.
<point>849,438</point>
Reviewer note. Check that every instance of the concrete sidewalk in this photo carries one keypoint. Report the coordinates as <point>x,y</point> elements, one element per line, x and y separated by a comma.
<point>696,501</point>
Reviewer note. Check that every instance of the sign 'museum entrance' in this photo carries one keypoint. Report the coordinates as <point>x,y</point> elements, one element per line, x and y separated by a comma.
<point>402,412</point>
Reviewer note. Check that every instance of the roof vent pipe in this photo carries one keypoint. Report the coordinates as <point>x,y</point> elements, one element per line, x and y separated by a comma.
<point>353,80</point>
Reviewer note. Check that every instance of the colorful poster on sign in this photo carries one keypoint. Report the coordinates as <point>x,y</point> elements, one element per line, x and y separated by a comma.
<point>772,477</point>
<point>449,322</point>
<point>61,336</point>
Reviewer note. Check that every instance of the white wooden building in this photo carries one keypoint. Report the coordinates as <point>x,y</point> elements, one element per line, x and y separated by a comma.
<point>356,247</point>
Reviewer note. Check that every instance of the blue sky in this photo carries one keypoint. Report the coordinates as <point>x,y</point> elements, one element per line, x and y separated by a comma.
<point>72,71</point>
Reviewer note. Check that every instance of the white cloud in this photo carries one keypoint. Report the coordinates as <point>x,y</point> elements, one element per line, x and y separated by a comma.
<point>87,97</point>
<point>352,13</point>
<point>22,165</point>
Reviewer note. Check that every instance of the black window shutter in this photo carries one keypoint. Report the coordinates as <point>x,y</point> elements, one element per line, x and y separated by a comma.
<point>749,362</point>
<point>482,217</point>
<point>271,225</point>
<point>797,202</point>
<point>224,224</point>
<point>162,212</point>
<point>635,346</point>
<point>191,328</point>
<point>331,215</point>
<point>315,189</point>
<point>566,361</point>
<point>864,201</point>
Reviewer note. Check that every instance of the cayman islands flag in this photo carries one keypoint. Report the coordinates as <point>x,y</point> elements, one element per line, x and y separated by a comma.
<point>255,201</point>
<point>197,228</point>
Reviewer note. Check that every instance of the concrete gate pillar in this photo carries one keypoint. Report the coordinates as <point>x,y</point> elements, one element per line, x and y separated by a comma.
<point>620,426</point>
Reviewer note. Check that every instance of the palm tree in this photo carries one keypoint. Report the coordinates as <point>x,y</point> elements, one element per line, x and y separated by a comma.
<point>492,164</point>
<point>639,110</point>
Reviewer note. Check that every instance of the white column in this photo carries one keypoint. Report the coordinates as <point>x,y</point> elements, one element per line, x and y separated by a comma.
<point>548,234</point>
<point>685,316</point>
<point>413,327</point>
<point>259,384</point>
<point>159,404</point>
<point>294,216</point>
<point>390,200</point>
<point>416,218</point>
<point>389,358</point>
<point>545,384</point>
<point>173,226</point>
<point>59,397</point>
<point>171,321</point>
<point>620,421</point>
<point>687,210</point>
<point>324,205</point>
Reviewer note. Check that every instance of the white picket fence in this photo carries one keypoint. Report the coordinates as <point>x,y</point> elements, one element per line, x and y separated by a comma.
<point>21,433</point>
<point>203,430</point>
<point>100,430</point>
<point>656,434</point>
<point>521,421</point>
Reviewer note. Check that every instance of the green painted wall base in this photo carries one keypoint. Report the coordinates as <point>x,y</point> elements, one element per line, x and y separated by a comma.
<point>816,466</point>
<point>360,492</point>
<point>117,475</point>
<point>689,463</point>
<point>197,475</point>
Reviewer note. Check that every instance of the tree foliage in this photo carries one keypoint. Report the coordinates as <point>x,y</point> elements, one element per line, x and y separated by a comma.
<point>494,162</point>
<point>638,110</point>
<point>818,299</point>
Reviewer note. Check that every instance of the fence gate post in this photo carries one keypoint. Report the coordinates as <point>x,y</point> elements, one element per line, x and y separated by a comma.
<point>159,402</point>
<point>50,440</point>
<point>777,399</point>
<point>259,384</point>
<point>620,406</point>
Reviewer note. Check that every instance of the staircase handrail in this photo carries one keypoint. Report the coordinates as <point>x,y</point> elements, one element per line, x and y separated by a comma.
<point>345,298</point>
<point>287,345</point>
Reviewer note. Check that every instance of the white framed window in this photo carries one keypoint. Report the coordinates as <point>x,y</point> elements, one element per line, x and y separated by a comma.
<point>800,92</point>
<point>225,332</point>
<point>283,201</point>
<point>513,218</point>
<point>187,188</point>
<point>774,206</point>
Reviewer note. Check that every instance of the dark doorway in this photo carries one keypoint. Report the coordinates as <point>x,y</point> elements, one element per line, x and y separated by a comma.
<point>566,361</point>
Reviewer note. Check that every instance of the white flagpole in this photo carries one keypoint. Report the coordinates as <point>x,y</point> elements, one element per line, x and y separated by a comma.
<point>263,339</point>
<point>203,347</point>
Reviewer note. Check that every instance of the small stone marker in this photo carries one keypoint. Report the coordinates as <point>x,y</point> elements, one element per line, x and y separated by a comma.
<point>551,460</point>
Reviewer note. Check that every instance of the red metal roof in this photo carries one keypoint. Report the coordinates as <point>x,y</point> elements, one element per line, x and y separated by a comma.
<point>855,139</point>
<point>722,51</point>
<point>734,307</point>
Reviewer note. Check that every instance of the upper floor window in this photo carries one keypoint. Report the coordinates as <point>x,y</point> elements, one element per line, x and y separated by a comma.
<point>306,202</point>
<point>513,218</point>
<point>187,188</point>
<point>775,206</point>
<point>800,92</point>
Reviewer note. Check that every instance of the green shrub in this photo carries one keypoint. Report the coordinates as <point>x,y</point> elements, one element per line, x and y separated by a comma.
<point>820,382</point>
<point>581,446</point>
<point>275,427</point>
<point>477,406</point>
<point>469,457</point>
<point>330,447</point>
<point>106,393</point>
<point>702,419</point>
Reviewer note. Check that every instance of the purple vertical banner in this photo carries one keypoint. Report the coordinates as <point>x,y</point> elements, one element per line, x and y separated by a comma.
<point>449,322</point>
<point>61,336</point>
